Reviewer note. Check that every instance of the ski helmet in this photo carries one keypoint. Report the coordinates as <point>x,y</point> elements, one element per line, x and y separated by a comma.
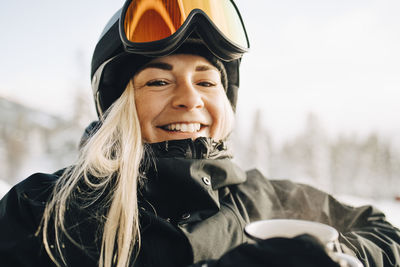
<point>143,30</point>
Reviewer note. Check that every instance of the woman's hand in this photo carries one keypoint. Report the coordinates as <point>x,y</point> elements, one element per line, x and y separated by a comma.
<point>303,250</point>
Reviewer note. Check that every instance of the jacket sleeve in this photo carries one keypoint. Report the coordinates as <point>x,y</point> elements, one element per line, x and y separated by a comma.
<point>20,217</point>
<point>367,235</point>
<point>364,231</point>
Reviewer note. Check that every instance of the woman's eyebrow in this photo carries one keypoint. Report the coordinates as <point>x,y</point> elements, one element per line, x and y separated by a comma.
<point>158,65</point>
<point>204,68</point>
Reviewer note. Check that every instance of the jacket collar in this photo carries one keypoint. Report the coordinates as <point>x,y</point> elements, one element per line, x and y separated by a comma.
<point>200,148</point>
<point>183,176</point>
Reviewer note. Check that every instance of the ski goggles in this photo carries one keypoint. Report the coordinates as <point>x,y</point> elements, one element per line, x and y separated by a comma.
<point>157,27</point>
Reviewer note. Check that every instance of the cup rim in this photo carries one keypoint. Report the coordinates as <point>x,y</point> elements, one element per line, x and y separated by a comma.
<point>333,233</point>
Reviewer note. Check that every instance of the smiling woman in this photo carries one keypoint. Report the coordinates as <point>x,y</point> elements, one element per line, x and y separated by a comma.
<point>154,184</point>
<point>179,97</point>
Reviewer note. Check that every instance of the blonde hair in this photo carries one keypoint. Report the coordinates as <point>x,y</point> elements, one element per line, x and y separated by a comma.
<point>110,159</point>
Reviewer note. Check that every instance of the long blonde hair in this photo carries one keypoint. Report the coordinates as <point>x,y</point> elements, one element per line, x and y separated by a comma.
<point>110,159</point>
<point>112,156</point>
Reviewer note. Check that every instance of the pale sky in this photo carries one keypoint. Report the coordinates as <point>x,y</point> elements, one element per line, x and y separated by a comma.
<point>337,58</point>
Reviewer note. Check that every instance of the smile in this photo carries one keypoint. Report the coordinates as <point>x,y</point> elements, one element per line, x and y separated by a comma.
<point>183,127</point>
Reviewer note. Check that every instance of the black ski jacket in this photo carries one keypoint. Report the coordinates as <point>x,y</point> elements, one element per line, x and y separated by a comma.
<point>194,205</point>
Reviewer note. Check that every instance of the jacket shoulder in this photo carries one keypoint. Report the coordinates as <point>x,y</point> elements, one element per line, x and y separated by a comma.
<point>28,198</point>
<point>23,205</point>
<point>21,211</point>
<point>37,187</point>
<point>281,187</point>
<point>281,198</point>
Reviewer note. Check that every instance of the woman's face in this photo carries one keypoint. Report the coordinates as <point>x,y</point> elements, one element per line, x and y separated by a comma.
<point>181,96</point>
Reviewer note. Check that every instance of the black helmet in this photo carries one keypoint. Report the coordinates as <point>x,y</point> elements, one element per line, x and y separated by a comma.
<point>115,61</point>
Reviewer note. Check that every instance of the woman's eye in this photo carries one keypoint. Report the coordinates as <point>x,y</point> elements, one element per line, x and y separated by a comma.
<point>156,83</point>
<point>206,84</point>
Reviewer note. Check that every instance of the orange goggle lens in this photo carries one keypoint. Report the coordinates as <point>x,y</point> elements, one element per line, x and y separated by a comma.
<point>153,20</point>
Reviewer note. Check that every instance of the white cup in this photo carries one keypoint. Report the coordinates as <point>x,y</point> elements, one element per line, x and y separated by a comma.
<point>289,228</point>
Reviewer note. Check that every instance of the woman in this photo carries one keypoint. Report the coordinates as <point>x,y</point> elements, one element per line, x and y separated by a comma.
<point>154,184</point>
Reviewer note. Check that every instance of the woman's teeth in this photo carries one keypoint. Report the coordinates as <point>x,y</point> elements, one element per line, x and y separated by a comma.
<point>183,127</point>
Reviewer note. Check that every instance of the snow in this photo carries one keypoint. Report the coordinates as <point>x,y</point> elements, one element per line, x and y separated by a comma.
<point>4,187</point>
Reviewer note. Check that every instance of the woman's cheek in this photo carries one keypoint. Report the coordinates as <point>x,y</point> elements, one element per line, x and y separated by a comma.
<point>222,118</point>
<point>228,118</point>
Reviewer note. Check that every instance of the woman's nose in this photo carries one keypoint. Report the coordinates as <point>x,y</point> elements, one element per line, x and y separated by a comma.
<point>187,97</point>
